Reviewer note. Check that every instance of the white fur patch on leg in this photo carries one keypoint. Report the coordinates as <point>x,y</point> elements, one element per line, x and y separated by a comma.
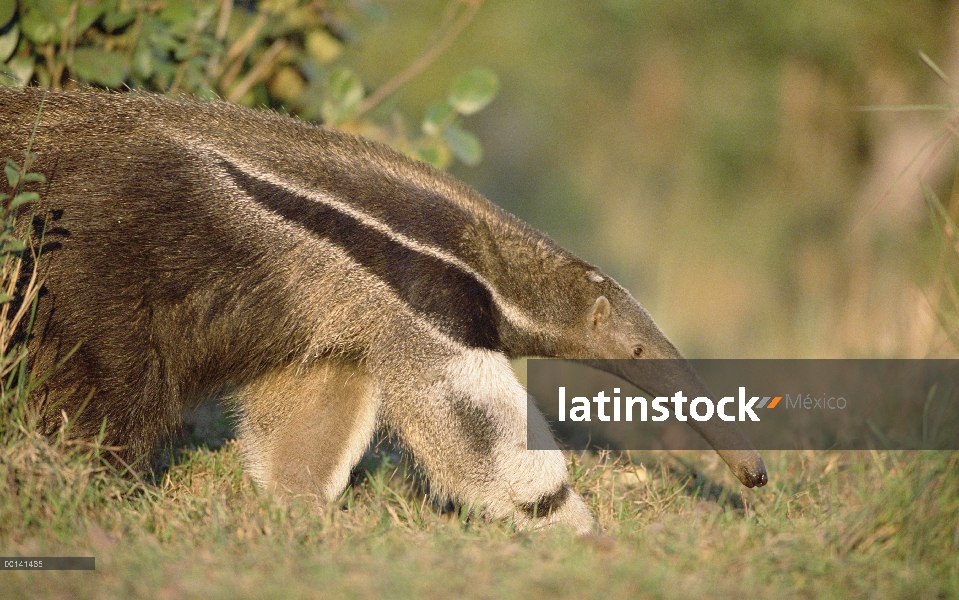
<point>523,479</point>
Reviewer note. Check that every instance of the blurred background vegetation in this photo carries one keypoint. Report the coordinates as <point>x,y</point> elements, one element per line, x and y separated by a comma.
<point>725,161</point>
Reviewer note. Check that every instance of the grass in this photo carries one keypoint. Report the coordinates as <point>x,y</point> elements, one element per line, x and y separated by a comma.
<point>828,525</point>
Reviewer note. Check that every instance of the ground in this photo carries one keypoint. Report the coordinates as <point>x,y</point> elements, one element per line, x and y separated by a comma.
<point>829,524</point>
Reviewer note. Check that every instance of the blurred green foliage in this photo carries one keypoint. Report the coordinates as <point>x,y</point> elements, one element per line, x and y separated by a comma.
<point>711,156</point>
<point>285,54</point>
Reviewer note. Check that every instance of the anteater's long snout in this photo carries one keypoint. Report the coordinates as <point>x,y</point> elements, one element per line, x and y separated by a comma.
<point>665,377</point>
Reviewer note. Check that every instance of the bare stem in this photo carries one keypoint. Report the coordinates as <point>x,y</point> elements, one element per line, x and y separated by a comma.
<point>236,54</point>
<point>226,11</point>
<point>259,71</point>
<point>420,64</point>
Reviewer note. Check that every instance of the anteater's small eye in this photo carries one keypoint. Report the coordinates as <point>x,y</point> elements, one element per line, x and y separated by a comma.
<point>638,352</point>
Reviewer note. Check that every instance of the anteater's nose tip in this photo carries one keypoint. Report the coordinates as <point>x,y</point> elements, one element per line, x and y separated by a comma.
<point>755,479</point>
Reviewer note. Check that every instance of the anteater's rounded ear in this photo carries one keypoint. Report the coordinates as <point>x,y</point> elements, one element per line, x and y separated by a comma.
<point>599,313</point>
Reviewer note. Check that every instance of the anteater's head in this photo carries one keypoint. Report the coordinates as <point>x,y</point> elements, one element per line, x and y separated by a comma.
<point>611,324</point>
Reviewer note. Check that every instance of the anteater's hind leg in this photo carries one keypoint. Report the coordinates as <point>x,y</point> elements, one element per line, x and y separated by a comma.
<point>303,428</point>
<point>467,428</point>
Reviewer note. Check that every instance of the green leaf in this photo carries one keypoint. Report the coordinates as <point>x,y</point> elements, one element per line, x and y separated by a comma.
<point>100,66</point>
<point>87,14</point>
<point>143,61</point>
<point>8,42</point>
<point>118,19</point>
<point>38,28</point>
<point>344,92</point>
<point>13,246</point>
<point>163,73</point>
<point>434,152</point>
<point>180,15</point>
<point>6,76</point>
<point>183,52</point>
<point>463,144</point>
<point>474,90</point>
<point>158,34</point>
<point>55,11</point>
<point>438,115</point>
<point>23,198</point>
<point>5,297</point>
<point>34,177</point>
<point>13,175</point>
<point>22,69</point>
<point>8,8</point>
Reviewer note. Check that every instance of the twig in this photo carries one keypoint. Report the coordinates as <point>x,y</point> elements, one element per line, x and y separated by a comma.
<point>53,65</point>
<point>259,71</point>
<point>240,48</point>
<point>425,59</point>
<point>940,140</point>
<point>68,41</point>
<point>32,288</point>
<point>132,472</point>
<point>242,45</point>
<point>226,11</point>
<point>935,69</point>
<point>198,28</point>
<point>952,209</point>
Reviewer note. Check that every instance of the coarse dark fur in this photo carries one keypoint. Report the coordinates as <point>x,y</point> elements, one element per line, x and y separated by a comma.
<point>328,284</point>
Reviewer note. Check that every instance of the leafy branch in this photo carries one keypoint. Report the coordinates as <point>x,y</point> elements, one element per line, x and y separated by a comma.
<point>284,54</point>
